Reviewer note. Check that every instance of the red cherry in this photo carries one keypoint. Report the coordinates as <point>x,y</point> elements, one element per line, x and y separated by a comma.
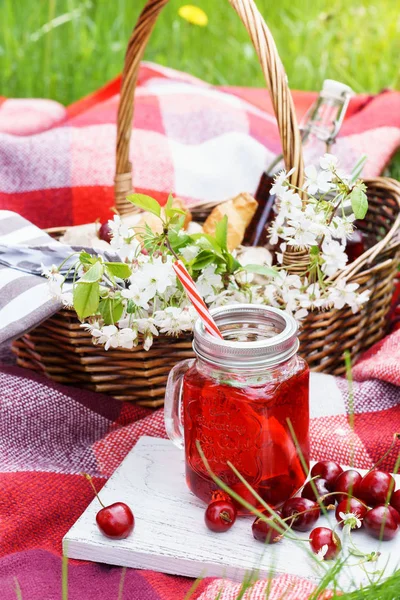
<point>328,470</point>
<point>302,522</point>
<point>350,505</point>
<point>116,521</point>
<point>395,500</point>
<point>382,522</point>
<point>104,232</point>
<point>322,536</point>
<point>268,532</point>
<point>346,482</point>
<point>375,488</point>
<point>220,515</point>
<point>322,490</point>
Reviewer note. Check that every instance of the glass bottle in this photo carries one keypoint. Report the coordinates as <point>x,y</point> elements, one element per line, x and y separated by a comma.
<point>319,129</point>
<point>236,400</point>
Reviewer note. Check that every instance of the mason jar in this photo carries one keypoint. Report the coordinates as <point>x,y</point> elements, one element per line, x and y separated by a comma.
<point>244,400</point>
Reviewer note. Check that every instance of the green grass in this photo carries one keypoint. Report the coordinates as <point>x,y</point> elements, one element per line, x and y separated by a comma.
<point>64,49</point>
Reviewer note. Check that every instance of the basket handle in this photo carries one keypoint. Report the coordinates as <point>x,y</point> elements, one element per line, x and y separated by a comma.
<point>271,65</point>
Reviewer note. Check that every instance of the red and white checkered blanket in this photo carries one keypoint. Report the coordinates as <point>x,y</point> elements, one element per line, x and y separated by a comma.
<point>50,433</point>
<point>200,143</point>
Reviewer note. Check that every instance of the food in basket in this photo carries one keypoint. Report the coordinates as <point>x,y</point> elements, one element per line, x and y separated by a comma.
<point>239,211</point>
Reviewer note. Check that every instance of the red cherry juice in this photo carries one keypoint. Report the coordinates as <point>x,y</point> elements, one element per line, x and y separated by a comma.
<point>248,426</point>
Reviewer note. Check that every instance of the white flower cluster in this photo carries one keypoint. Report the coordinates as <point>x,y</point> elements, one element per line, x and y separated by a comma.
<point>154,302</point>
<point>55,286</point>
<point>151,302</point>
<point>314,225</point>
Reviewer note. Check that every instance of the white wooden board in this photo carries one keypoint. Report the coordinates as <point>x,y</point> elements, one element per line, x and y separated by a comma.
<point>170,535</point>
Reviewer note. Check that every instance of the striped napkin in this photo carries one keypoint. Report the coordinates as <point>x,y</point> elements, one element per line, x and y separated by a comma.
<point>24,298</point>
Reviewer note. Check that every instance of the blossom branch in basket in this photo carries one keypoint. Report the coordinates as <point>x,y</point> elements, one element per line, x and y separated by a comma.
<point>139,297</point>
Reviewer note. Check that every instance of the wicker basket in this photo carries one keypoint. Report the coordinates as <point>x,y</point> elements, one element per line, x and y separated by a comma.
<point>65,353</point>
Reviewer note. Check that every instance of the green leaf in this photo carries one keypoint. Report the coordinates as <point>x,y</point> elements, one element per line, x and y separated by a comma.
<point>177,241</point>
<point>204,240</point>
<point>221,233</point>
<point>168,206</point>
<point>95,273</point>
<point>145,203</point>
<point>86,299</point>
<point>111,310</point>
<point>202,260</point>
<point>261,270</point>
<point>359,202</point>
<point>232,264</point>
<point>118,269</point>
<point>86,258</point>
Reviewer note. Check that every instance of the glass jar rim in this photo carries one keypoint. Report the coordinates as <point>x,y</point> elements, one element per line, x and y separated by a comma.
<point>271,349</point>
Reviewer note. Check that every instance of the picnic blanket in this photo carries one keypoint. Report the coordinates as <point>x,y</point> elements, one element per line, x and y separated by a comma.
<point>198,141</point>
<point>50,433</point>
<point>56,168</point>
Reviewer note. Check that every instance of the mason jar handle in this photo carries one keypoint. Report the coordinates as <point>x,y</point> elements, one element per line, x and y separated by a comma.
<point>173,402</point>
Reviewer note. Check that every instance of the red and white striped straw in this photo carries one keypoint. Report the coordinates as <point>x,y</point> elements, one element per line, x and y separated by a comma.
<point>195,298</point>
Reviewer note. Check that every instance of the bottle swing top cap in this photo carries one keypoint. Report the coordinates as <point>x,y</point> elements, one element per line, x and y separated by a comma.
<point>336,89</point>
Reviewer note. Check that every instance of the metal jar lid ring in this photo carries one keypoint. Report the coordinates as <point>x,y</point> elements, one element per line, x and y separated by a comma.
<point>255,336</point>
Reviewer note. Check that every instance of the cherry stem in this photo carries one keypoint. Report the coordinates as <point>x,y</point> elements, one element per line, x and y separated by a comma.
<point>90,480</point>
<point>382,458</point>
<point>343,494</point>
<point>303,512</point>
<point>225,516</point>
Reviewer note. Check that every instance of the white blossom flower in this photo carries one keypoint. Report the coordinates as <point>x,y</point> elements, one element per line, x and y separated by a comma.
<point>301,314</point>
<point>123,240</point>
<point>67,298</point>
<point>342,293</point>
<point>190,252</point>
<point>171,320</point>
<point>311,298</point>
<point>140,296</point>
<point>350,519</point>
<point>289,203</point>
<point>300,232</point>
<point>322,553</point>
<point>52,273</point>
<point>334,257</point>
<point>93,324</point>
<point>112,337</point>
<point>55,282</point>
<point>146,324</point>
<point>285,283</point>
<point>317,181</point>
<point>269,294</point>
<point>276,229</point>
<point>155,276</point>
<point>255,256</point>
<point>209,283</point>
<point>342,227</point>
<point>279,255</point>
<point>280,185</point>
<point>328,162</point>
<point>359,300</point>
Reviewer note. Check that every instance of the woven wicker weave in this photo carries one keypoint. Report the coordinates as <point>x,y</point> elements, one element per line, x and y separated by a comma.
<point>64,352</point>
